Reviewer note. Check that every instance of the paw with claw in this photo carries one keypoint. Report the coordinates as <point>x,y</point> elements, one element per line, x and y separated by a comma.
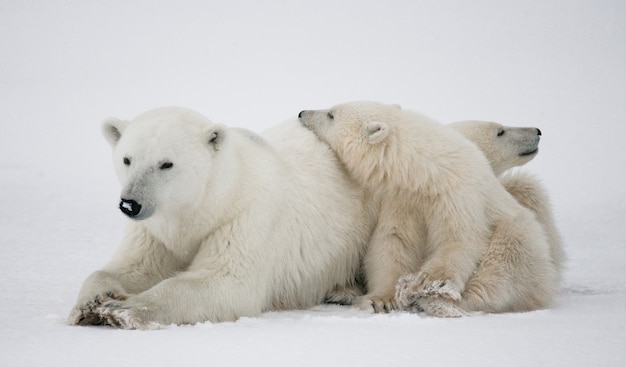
<point>127,314</point>
<point>84,313</point>
<point>412,287</point>
<point>417,292</point>
<point>378,303</point>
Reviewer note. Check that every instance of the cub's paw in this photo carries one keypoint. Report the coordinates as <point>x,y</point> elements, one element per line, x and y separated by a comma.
<point>442,288</point>
<point>413,286</point>
<point>384,304</point>
<point>441,307</point>
<point>378,303</point>
<point>126,315</point>
<point>413,295</point>
<point>407,293</point>
<point>84,313</point>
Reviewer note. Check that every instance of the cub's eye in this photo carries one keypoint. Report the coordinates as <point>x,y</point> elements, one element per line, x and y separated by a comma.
<point>330,115</point>
<point>213,138</point>
<point>500,132</point>
<point>127,161</point>
<point>167,165</point>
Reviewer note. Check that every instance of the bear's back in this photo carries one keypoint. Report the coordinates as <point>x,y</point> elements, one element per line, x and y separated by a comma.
<point>327,225</point>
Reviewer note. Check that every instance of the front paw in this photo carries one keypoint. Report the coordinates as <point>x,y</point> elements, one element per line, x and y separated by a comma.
<point>407,293</point>
<point>84,313</point>
<point>384,304</point>
<point>378,303</point>
<point>441,288</point>
<point>412,287</point>
<point>441,307</point>
<point>127,315</point>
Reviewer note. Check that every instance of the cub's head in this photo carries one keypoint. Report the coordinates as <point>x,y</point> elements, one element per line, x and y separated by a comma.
<point>505,147</point>
<point>357,132</point>
<point>163,159</point>
<point>353,125</point>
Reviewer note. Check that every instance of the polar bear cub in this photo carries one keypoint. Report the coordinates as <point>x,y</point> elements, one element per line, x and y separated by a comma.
<point>439,205</point>
<point>223,223</point>
<point>506,147</point>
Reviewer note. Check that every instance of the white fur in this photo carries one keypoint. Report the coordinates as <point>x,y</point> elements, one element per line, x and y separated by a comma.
<point>530,193</point>
<point>443,215</point>
<point>504,146</point>
<point>239,224</point>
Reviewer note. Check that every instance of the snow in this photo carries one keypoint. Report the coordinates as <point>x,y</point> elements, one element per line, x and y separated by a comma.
<point>66,65</point>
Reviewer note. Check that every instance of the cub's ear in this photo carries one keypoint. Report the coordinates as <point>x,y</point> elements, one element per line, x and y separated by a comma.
<point>395,105</point>
<point>112,129</point>
<point>376,132</point>
<point>215,136</point>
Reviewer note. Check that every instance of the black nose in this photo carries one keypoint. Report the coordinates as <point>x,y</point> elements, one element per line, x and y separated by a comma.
<point>300,114</point>
<point>538,132</point>
<point>130,207</point>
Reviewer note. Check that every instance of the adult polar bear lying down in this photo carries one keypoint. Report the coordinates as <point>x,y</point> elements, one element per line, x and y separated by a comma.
<point>225,223</point>
<point>444,216</point>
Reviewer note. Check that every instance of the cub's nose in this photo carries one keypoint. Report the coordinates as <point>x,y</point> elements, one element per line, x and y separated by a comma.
<point>538,132</point>
<point>300,114</point>
<point>130,207</point>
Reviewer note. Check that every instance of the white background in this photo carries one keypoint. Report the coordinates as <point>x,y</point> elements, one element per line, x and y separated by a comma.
<point>66,65</point>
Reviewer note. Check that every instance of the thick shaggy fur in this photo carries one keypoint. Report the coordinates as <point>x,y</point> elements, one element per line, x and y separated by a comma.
<point>511,267</point>
<point>530,193</point>
<point>506,147</point>
<point>445,219</point>
<point>231,223</point>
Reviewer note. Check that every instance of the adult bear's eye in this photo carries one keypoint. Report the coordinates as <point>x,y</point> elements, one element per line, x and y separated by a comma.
<point>500,132</point>
<point>167,165</point>
<point>330,115</point>
<point>127,161</point>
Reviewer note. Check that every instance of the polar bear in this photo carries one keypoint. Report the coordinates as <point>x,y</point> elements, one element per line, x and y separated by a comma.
<point>445,219</point>
<point>223,223</point>
<point>506,147</point>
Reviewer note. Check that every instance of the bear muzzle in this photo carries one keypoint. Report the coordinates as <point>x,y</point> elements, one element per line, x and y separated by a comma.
<point>305,118</point>
<point>130,207</point>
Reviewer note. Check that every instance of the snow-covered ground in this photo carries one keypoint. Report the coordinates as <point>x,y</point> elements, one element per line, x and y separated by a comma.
<point>66,65</point>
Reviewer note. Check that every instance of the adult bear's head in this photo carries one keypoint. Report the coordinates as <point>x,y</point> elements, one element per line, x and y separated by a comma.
<point>163,159</point>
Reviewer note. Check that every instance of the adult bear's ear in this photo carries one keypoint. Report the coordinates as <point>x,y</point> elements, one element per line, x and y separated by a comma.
<point>215,136</point>
<point>112,129</point>
<point>376,132</point>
